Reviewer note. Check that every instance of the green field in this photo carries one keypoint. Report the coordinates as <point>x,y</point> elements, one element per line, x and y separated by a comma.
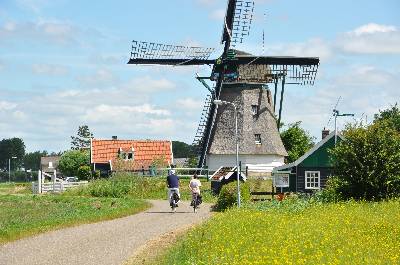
<point>295,233</point>
<point>15,188</point>
<point>24,214</point>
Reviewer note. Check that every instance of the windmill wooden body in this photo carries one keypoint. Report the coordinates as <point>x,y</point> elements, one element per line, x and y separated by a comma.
<point>240,78</point>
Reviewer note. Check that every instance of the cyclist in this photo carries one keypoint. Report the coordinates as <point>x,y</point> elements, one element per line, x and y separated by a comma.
<point>194,186</point>
<point>173,185</point>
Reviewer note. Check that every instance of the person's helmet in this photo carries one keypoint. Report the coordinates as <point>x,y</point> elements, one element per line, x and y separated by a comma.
<point>172,172</point>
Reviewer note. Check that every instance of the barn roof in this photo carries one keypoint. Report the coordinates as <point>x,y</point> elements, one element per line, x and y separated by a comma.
<point>309,152</point>
<point>145,151</point>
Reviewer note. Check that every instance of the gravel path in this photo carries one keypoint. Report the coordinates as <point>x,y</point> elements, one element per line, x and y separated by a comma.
<point>109,242</point>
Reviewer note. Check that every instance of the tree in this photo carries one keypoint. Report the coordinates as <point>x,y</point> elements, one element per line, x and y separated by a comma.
<point>182,150</point>
<point>13,147</point>
<point>82,140</point>
<point>392,116</point>
<point>296,140</point>
<point>71,160</point>
<point>32,160</point>
<point>367,161</point>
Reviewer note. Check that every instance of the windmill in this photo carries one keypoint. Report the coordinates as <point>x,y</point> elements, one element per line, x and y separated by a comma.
<point>239,77</point>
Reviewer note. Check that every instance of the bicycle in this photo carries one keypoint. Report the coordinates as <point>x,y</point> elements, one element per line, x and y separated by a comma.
<point>174,200</point>
<point>196,201</point>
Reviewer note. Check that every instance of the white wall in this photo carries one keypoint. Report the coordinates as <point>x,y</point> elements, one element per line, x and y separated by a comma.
<point>256,163</point>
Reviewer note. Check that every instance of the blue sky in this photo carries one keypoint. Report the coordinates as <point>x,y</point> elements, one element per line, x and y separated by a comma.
<point>63,64</point>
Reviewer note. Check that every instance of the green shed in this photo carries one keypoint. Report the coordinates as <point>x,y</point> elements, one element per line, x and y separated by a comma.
<point>311,171</point>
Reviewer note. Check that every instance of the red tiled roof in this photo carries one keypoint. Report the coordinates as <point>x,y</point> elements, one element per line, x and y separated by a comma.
<point>102,151</point>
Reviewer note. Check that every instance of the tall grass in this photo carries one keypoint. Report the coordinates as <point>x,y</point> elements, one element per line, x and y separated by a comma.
<point>296,232</point>
<point>139,187</point>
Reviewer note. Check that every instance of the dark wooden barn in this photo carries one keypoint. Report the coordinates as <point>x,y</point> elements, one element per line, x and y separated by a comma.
<point>310,172</point>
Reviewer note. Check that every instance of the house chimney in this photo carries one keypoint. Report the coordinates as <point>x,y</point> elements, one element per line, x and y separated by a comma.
<point>114,137</point>
<point>325,133</point>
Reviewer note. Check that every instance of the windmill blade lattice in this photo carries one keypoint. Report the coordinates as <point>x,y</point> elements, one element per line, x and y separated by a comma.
<point>243,17</point>
<point>150,50</point>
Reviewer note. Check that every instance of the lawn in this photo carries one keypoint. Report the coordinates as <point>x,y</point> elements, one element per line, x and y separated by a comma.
<point>295,233</point>
<point>25,215</point>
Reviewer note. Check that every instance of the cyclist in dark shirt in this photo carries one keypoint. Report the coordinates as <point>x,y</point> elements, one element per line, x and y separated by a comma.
<point>172,184</point>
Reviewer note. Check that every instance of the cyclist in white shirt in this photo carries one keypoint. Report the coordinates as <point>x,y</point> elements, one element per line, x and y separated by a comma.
<point>194,186</point>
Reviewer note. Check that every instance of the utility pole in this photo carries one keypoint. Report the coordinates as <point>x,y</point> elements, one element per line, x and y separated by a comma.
<point>337,114</point>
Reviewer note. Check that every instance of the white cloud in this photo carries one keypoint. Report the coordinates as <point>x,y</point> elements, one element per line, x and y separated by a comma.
<point>118,114</point>
<point>49,69</point>
<point>372,28</point>
<point>5,105</point>
<point>46,120</point>
<point>49,31</point>
<point>312,48</point>
<point>100,78</point>
<point>371,39</point>
<point>149,85</point>
<point>365,76</point>
<point>218,14</point>
<point>189,104</point>
<point>32,5</point>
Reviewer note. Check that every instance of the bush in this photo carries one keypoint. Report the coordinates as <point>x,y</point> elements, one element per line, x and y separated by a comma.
<point>228,195</point>
<point>336,190</point>
<point>84,172</point>
<point>71,161</point>
<point>367,162</point>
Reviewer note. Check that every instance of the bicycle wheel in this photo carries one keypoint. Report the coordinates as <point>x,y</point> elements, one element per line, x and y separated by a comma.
<point>195,203</point>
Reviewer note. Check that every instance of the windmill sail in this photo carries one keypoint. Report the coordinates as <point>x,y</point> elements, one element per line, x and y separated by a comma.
<point>158,53</point>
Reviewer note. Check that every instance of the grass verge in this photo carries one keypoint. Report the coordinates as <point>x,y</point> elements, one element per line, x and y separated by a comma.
<point>340,233</point>
<point>26,215</point>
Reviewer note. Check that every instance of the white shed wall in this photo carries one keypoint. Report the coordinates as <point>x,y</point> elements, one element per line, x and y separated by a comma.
<point>256,163</point>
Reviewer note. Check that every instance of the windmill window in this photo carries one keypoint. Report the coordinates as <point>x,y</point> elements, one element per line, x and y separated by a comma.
<point>254,110</point>
<point>257,138</point>
<point>312,180</point>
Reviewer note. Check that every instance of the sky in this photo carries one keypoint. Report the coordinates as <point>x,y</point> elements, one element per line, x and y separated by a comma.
<point>63,64</point>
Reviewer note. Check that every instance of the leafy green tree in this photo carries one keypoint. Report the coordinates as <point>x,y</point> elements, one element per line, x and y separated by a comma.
<point>32,160</point>
<point>82,140</point>
<point>13,147</point>
<point>296,140</point>
<point>71,160</point>
<point>182,150</point>
<point>392,116</point>
<point>367,161</point>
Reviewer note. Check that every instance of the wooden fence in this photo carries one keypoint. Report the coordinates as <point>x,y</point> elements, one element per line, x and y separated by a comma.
<point>56,186</point>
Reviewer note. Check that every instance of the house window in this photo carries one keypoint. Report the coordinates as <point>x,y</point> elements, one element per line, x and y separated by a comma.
<point>254,110</point>
<point>126,155</point>
<point>257,138</point>
<point>312,179</point>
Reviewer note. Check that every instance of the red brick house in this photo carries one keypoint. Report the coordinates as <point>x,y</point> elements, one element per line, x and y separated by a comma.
<point>129,155</point>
